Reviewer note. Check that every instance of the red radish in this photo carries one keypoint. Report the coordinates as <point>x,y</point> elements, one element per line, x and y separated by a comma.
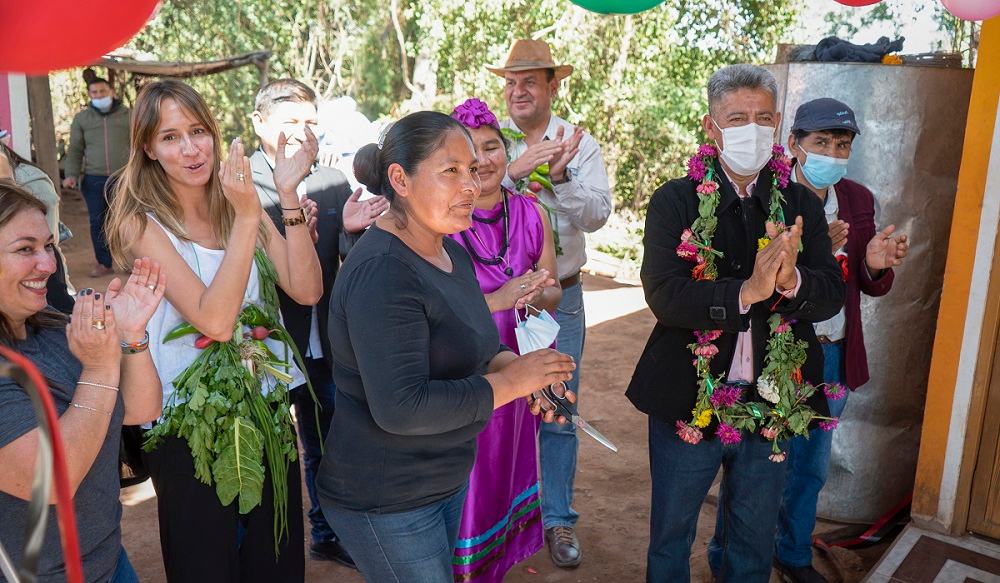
<point>259,332</point>
<point>203,342</point>
<point>534,186</point>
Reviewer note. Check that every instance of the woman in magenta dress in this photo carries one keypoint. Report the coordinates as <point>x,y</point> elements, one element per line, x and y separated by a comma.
<point>511,246</point>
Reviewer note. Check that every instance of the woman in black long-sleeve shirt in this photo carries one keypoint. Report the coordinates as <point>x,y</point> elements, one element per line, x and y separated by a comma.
<point>419,366</point>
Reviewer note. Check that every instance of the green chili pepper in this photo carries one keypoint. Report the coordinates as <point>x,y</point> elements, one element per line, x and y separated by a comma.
<point>545,182</point>
<point>182,329</point>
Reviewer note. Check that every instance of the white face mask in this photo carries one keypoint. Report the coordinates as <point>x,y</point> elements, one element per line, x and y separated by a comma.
<point>747,148</point>
<point>535,332</point>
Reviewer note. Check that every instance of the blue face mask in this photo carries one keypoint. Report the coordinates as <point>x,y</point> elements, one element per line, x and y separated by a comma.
<point>822,171</point>
<point>102,103</point>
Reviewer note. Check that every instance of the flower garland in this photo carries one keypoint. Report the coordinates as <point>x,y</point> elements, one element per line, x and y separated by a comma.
<point>783,412</point>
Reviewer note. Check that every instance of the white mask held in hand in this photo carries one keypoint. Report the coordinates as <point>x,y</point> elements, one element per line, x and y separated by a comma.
<point>746,148</point>
<point>535,332</point>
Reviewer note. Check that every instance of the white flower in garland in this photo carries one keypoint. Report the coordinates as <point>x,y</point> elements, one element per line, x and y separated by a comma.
<point>768,389</point>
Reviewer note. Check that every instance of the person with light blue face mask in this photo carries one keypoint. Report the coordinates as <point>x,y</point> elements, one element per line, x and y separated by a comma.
<point>821,140</point>
<point>98,147</point>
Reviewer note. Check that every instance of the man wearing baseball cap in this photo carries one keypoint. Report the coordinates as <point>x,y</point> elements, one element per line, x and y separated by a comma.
<point>563,166</point>
<point>821,140</point>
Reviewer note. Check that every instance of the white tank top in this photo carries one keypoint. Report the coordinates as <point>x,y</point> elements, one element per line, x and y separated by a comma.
<point>175,356</point>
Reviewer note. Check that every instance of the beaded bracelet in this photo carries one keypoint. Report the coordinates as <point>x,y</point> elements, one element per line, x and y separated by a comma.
<point>136,347</point>
<point>98,385</point>
<point>79,406</point>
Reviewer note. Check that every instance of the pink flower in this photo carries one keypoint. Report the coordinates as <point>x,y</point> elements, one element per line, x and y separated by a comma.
<point>728,435</point>
<point>783,327</point>
<point>686,235</point>
<point>696,169</point>
<point>769,432</point>
<point>835,391</point>
<point>726,396</point>
<point>707,188</point>
<point>706,336</point>
<point>688,434</point>
<point>781,165</point>
<point>687,251</point>
<point>830,424</point>
<point>777,150</point>
<point>474,113</point>
<point>777,457</point>
<point>707,150</point>
<point>706,350</point>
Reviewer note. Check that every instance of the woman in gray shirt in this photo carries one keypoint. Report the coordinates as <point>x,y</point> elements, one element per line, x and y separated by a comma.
<point>419,367</point>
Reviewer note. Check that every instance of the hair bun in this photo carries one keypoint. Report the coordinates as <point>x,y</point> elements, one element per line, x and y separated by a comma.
<point>368,168</point>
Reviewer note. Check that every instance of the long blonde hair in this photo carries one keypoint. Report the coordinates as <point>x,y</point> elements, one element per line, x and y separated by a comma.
<point>142,186</point>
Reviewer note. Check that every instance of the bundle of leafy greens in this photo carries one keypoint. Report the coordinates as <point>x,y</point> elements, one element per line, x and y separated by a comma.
<point>219,406</point>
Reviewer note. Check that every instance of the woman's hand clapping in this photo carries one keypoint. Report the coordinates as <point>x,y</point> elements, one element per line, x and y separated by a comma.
<point>237,183</point>
<point>93,334</point>
<point>134,303</point>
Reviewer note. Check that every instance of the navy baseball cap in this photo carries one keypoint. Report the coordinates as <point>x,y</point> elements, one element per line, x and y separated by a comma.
<point>825,114</point>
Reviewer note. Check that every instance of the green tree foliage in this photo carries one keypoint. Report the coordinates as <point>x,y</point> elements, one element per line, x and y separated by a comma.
<point>638,86</point>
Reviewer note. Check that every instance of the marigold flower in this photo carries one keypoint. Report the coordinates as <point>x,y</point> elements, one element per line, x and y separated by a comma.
<point>728,434</point>
<point>688,434</point>
<point>797,375</point>
<point>703,419</point>
<point>698,272</point>
<point>762,242</point>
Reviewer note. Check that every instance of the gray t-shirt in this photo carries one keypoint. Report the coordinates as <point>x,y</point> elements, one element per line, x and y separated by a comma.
<point>98,511</point>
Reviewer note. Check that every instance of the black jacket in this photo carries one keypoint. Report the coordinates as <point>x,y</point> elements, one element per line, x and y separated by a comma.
<point>664,382</point>
<point>330,189</point>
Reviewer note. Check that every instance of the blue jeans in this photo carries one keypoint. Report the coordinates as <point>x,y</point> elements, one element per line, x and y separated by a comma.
<point>402,547</point>
<point>557,444</point>
<point>807,465</point>
<point>124,573</point>
<point>313,436</point>
<point>92,188</point>
<point>749,497</point>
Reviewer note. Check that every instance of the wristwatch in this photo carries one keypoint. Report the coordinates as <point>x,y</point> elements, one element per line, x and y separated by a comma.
<point>566,178</point>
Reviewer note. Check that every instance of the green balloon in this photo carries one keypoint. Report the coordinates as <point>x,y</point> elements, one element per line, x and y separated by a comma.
<point>617,6</point>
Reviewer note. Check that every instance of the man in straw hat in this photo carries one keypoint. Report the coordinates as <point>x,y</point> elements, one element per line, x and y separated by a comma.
<point>562,164</point>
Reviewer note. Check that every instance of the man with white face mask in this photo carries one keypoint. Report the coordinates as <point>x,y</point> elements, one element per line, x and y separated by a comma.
<point>821,140</point>
<point>99,147</point>
<point>731,185</point>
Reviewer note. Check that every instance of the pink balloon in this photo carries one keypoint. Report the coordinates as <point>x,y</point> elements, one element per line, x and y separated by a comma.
<point>973,9</point>
<point>858,3</point>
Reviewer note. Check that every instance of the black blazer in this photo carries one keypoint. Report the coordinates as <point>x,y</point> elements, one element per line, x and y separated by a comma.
<point>330,189</point>
<point>664,382</point>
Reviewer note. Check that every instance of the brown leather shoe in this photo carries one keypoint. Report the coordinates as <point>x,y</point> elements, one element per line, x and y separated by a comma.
<point>564,547</point>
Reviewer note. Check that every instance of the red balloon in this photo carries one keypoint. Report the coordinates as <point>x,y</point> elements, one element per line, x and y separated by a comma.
<point>45,35</point>
<point>857,3</point>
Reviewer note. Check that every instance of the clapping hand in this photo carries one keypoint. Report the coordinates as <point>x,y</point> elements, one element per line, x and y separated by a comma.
<point>311,209</point>
<point>791,240</point>
<point>885,251</point>
<point>358,214</point>
<point>569,148</point>
<point>290,171</point>
<point>237,184</point>
<point>134,303</point>
<point>838,234</point>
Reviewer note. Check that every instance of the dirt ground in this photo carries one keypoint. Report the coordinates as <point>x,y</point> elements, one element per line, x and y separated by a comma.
<point>612,490</point>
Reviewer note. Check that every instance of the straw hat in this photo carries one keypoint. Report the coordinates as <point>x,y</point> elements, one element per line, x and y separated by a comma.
<point>526,55</point>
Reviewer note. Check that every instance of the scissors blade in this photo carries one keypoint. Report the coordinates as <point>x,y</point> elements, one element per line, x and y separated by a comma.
<point>589,429</point>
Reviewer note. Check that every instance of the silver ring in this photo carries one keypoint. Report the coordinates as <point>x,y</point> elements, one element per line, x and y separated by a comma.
<point>151,287</point>
<point>97,323</point>
<point>240,176</point>
<point>523,287</point>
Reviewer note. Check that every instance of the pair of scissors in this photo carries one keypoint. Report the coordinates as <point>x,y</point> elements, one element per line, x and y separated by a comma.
<point>561,406</point>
